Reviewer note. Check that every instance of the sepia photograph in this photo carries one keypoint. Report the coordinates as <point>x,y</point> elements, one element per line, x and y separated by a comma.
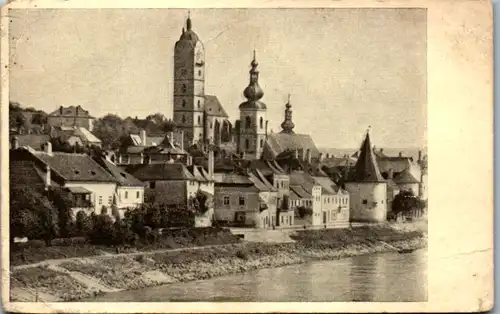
<point>217,155</point>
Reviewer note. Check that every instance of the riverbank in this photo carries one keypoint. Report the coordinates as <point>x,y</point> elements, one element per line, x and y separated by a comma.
<point>79,279</point>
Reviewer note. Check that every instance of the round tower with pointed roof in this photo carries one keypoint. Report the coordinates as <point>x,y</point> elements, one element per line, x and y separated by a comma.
<point>189,84</point>
<point>367,187</point>
<point>253,120</point>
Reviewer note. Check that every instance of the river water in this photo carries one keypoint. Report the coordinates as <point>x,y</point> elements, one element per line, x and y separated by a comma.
<point>382,277</point>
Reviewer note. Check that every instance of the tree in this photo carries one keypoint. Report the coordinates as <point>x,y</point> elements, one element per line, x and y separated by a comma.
<point>200,203</point>
<point>83,223</point>
<point>102,231</point>
<point>406,201</point>
<point>110,130</point>
<point>63,204</point>
<point>304,211</point>
<point>168,126</point>
<point>39,118</point>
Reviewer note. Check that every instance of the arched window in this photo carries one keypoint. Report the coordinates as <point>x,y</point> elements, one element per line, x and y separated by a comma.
<point>247,144</point>
<point>184,88</point>
<point>261,123</point>
<point>199,120</point>
<point>248,122</point>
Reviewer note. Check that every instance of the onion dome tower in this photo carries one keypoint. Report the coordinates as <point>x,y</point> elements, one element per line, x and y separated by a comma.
<point>288,124</point>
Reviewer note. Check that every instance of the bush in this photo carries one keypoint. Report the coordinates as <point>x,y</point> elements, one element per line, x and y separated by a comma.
<point>242,254</point>
<point>102,231</point>
<point>83,223</point>
<point>304,211</point>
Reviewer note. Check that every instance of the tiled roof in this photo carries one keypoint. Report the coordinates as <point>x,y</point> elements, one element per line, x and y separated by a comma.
<point>163,171</point>
<point>75,167</point>
<point>301,193</point>
<point>124,178</point>
<point>405,177</point>
<point>397,164</point>
<point>258,184</point>
<point>213,107</point>
<point>366,169</point>
<point>71,111</point>
<point>150,140</point>
<point>196,173</point>
<point>86,135</point>
<point>293,196</point>
<point>32,140</point>
<point>279,142</point>
<point>327,185</point>
<point>232,178</point>
<point>299,178</point>
<point>24,173</point>
<point>263,179</point>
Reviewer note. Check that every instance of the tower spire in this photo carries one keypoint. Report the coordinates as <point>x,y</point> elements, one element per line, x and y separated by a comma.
<point>288,124</point>
<point>188,21</point>
<point>253,91</point>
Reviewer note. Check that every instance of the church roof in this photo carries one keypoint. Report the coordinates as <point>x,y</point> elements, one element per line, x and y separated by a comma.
<point>278,143</point>
<point>366,169</point>
<point>213,107</point>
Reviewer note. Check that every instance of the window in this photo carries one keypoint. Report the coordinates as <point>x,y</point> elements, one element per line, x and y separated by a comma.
<point>211,125</point>
<point>199,72</point>
<point>247,144</point>
<point>281,219</point>
<point>199,120</point>
<point>277,184</point>
<point>382,201</point>
<point>100,200</point>
<point>184,88</point>
<point>199,104</point>
<point>152,184</point>
<point>226,200</point>
<point>110,200</point>
<point>328,200</point>
<point>126,194</point>
<point>248,122</point>
<point>261,123</point>
<point>183,103</point>
<point>242,201</point>
<point>261,143</point>
<point>365,202</point>
<point>138,194</point>
<point>183,119</point>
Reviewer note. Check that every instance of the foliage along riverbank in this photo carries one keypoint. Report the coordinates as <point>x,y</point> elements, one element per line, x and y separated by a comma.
<point>82,278</point>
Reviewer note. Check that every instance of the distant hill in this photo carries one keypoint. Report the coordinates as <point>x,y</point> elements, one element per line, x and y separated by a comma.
<point>410,152</point>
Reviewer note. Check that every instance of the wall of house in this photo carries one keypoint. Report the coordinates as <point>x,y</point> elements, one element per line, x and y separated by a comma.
<point>268,216</point>
<point>70,121</point>
<point>102,194</point>
<point>129,196</point>
<point>227,212</point>
<point>316,217</point>
<point>367,201</point>
<point>335,208</point>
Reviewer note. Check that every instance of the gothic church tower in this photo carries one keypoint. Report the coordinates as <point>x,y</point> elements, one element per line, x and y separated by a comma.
<point>253,123</point>
<point>189,85</point>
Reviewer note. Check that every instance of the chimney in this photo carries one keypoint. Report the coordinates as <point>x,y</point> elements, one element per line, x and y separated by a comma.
<point>14,144</point>
<point>47,176</point>
<point>327,156</point>
<point>143,137</point>
<point>400,154</point>
<point>381,150</point>
<point>308,156</point>
<point>390,174</point>
<point>48,148</point>
<point>211,163</point>
<point>61,110</point>
<point>419,156</point>
<point>189,160</point>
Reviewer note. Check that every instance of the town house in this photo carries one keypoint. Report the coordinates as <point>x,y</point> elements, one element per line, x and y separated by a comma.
<point>72,116</point>
<point>91,188</point>
<point>268,195</point>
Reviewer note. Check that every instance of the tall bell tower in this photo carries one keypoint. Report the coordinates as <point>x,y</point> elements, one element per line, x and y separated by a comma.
<point>189,85</point>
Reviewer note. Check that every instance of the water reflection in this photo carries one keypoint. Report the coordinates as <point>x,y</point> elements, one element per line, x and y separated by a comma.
<point>381,278</point>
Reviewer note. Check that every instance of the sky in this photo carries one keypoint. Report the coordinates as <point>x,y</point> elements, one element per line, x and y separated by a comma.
<point>346,69</point>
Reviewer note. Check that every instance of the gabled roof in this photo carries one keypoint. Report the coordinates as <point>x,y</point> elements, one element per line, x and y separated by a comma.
<point>24,173</point>
<point>366,169</point>
<point>213,107</point>
<point>397,164</point>
<point>71,111</point>
<point>300,178</point>
<point>258,184</point>
<point>75,167</point>
<point>405,177</point>
<point>123,178</point>
<point>196,173</point>
<point>262,178</point>
<point>277,143</point>
<point>162,171</point>
<point>327,185</point>
<point>299,190</point>
<point>150,140</point>
<point>34,141</point>
<point>86,135</point>
<point>232,179</point>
